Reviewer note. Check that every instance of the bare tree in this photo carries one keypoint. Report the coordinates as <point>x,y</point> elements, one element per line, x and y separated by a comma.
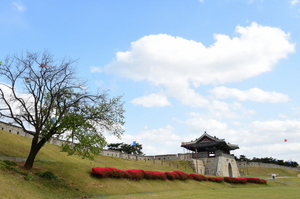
<point>46,99</point>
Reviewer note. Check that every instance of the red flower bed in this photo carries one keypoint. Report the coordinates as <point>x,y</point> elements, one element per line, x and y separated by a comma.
<point>100,172</point>
<point>256,180</point>
<point>109,172</point>
<point>154,175</point>
<point>138,174</point>
<point>215,179</point>
<point>198,177</point>
<point>182,175</point>
<point>235,180</point>
<point>171,175</point>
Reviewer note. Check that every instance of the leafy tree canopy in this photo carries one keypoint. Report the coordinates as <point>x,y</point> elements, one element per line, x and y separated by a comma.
<point>268,160</point>
<point>126,148</point>
<point>45,97</point>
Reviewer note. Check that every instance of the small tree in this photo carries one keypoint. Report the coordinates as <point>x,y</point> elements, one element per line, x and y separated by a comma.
<point>242,158</point>
<point>46,99</point>
<point>126,148</point>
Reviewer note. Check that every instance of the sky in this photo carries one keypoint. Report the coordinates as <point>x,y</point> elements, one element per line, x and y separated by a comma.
<point>227,67</point>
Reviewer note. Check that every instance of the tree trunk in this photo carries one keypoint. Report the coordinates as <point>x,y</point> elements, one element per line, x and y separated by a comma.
<point>35,148</point>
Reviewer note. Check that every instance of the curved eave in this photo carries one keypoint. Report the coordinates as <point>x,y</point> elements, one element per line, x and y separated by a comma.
<point>233,146</point>
<point>203,145</point>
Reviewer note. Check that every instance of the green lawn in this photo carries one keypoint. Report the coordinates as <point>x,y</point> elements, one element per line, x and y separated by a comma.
<point>245,193</point>
<point>75,180</point>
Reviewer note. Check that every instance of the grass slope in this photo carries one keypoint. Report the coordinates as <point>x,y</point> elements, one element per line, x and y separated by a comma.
<point>75,180</point>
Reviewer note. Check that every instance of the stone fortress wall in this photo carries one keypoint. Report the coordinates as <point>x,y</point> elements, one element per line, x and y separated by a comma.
<point>19,131</point>
<point>260,164</point>
<point>200,162</point>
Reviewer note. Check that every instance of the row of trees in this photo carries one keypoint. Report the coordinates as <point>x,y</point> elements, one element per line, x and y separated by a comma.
<point>135,149</point>
<point>270,160</point>
<point>46,98</point>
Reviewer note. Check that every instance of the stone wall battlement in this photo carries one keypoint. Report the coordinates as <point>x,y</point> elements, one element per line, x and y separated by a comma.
<point>180,156</point>
<point>260,164</point>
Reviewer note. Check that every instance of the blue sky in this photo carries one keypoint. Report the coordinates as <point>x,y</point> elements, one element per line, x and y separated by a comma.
<point>227,67</point>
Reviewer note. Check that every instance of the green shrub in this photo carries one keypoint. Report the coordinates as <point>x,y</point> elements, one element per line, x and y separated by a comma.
<point>10,163</point>
<point>48,175</point>
<point>28,177</point>
<point>17,170</point>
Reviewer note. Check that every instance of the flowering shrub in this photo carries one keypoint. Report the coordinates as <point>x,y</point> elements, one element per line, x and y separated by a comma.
<point>215,179</point>
<point>182,175</point>
<point>177,176</point>
<point>109,172</point>
<point>115,173</point>
<point>242,180</point>
<point>99,172</point>
<point>149,175</point>
<point>235,180</point>
<point>171,175</point>
<point>198,177</point>
<point>154,175</point>
<point>256,180</point>
<point>138,174</point>
<point>262,181</point>
<point>160,175</point>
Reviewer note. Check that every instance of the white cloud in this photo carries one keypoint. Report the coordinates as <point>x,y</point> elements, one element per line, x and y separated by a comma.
<point>180,90</point>
<point>154,141</point>
<point>198,124</point>
<point>220,109</point>
<point>254,94</point>
<point>179,65</point>
<point>294,2</point>
<point>161,135</point>
<point>260,139</point>
<point>95,69</point>
<point>152,100</point>
<point>19,6</point>
<point>279,126</point>
<point>15,105</point>
<point>266,139</point>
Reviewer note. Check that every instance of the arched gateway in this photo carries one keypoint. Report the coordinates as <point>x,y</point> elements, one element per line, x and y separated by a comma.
<point>229,170</point>
<point>214,154</point>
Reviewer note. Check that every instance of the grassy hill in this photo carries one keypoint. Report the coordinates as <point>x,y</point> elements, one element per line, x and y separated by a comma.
<point>74,180</point>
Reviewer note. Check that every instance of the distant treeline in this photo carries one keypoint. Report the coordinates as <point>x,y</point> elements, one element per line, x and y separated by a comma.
<point>270,160</point>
